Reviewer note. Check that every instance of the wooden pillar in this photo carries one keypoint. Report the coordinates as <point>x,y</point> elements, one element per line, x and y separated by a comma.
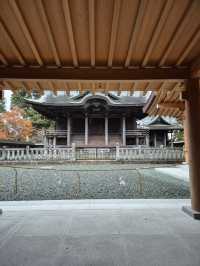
<point>155,141</point>
<point>86,129</point>
<point>147,140</point>
<point>124,131</point>
<point>165,139</point>
<point>193,130</point>
<point>68,131</point>
<point>186,152</point>
<point>106,130</point>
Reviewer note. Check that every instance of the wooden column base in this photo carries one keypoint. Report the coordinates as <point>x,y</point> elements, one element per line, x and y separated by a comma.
<point>188,210</point>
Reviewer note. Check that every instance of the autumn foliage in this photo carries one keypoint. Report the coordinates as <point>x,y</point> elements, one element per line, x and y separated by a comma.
<point>14,126</point>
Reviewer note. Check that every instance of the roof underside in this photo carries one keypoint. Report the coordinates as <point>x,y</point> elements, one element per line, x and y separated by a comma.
<point>38,36</point>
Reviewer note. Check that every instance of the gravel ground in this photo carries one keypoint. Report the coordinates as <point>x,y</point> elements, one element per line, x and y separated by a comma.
<point>86,181</point>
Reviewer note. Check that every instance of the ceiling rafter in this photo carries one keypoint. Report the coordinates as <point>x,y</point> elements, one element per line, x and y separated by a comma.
<point>48,31</point>
<point>3,59</point>
<point>114,30</point>
<point>159,97</point>
<point>136,27</point>
<point>158,28</point>
<point>12,44</point>
<point>192,42</point>
<point>91,4</point>
<point>178,31</point>
<point>18,14</point>
<point>68,22</point>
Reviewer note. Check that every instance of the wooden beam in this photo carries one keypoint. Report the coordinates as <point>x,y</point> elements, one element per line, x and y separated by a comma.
<point>192,42</point>
<point>114,29</point>
<point>68,21</point>
<point>172,105</point>
<point>158,29</point>
<point>48,31</point>
<point>3,59</point>
<point>95,74</point>
<point>9,39</point>
<point>136,28</point>
<point>26,32</point>
<point>92,31</point>
<point>195,68</point>
<point>179,29</point>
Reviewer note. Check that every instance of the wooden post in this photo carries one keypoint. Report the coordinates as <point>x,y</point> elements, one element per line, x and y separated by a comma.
<point>193,127</point>
<point>86,129</point>
<point>155,141</point>
<point>106,130</point>
<point>165,139</point>
<point>68,131</point>
<point>186,152</point>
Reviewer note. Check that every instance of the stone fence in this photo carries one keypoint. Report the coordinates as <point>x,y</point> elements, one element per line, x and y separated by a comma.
<point>93,153</point>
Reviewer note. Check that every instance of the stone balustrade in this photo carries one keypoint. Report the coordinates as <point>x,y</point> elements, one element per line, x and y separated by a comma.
<point>93,153</point>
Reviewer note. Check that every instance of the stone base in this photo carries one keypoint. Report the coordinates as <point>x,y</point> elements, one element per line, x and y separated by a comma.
<point>191,212</point>
<point>1,211</point>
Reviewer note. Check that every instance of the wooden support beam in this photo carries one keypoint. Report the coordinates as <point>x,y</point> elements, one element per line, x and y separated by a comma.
<point>172,105</point>
<point>48,31</point>
<point>9,39</point>
<point>114,29</point>
<point>68,21</point>
<point>92,31</point>
<point>158,29</point>
<point>136,27</point>
<point>195,68</point>
<point>179,30</point>
<point>95,74</point>
<point>192,42</point>
<point>26,31</point>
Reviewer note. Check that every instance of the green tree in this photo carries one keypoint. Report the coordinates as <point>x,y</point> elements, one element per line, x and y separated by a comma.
<point>38,121</point>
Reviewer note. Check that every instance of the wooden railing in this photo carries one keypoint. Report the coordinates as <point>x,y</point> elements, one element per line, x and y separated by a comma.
<point>97,153</point>
<point>137,132</point>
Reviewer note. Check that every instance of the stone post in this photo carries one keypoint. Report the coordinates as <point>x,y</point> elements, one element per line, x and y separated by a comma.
<point>54,142</point>
<point>86,129</point>
<point>117,152</point>
<point>68,131</point>
<point>124,131</point>
<point>73,152</point>
<point>106,130</point>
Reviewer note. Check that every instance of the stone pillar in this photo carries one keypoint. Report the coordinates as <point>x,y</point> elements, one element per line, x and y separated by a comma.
<point>137,141</point>
<point>86,129</point>
<point>68,131</point>
<point>106,130</point>
<point>124,131</point>
<point>192,127</point>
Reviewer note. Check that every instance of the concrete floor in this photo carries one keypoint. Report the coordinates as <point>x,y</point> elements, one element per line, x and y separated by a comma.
<point>98,232</point>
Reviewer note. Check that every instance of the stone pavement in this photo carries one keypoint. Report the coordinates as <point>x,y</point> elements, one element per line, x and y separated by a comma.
<point>98,232</point>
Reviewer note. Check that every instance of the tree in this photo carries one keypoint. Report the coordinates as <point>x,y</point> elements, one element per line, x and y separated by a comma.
<point>38,121</point>
<point>14,126</point>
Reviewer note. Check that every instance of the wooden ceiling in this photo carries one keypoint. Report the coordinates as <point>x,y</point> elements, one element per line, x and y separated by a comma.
<point>73,44</point>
